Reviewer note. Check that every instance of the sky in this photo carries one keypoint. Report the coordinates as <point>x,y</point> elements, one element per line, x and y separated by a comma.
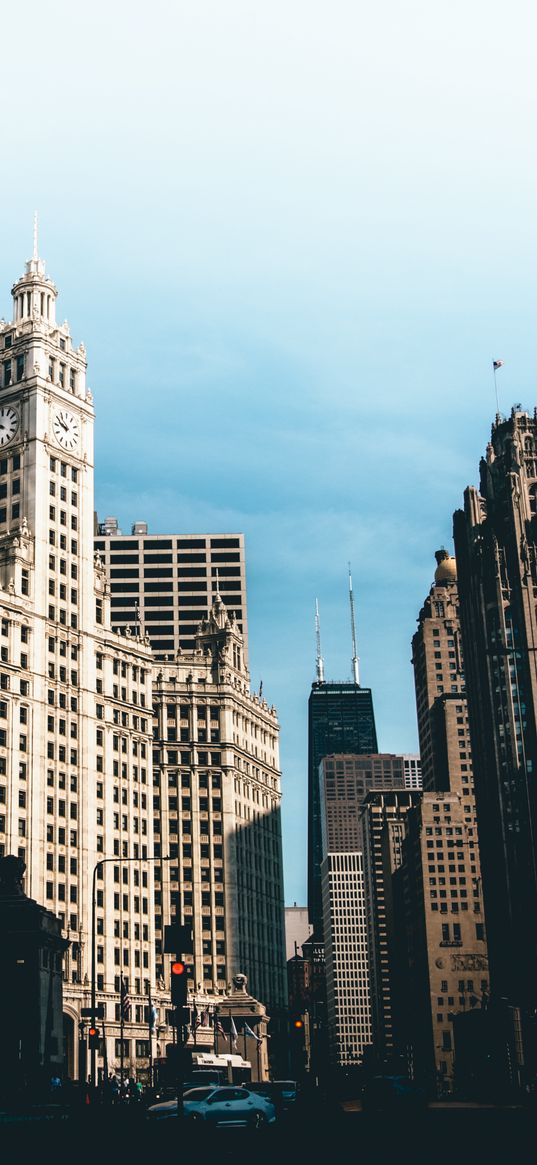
<point>293,237</point>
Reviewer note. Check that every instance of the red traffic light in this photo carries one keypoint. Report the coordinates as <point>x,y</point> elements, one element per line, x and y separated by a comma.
<point>178,968</point>
<point>298,1023</point>
<point>92,1031</point>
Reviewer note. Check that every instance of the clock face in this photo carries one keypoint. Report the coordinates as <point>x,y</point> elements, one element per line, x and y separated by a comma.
<point>9,423</point>
<point>66,429</point>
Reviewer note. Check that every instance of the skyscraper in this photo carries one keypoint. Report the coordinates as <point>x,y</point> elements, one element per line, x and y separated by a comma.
<point>165,584</point>
<point>75,713</point>
<point>83,708</point>
<point>340,720</point>
<point>440,900</point>
<point>496,548</point>
<point>344,784</point>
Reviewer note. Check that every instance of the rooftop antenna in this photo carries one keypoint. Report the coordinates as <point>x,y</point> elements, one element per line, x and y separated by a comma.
<point>36,250</point>
<point>319,662</point>
<point>355,660</point>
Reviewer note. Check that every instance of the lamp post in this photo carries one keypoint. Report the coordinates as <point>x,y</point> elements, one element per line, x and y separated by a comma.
<point>102,862</point>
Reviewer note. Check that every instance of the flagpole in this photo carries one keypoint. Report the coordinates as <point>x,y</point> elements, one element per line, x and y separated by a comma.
<point>496,393</point>
<point>216,1014</point>
<point>244,1040</point>
<point>230,1036</point>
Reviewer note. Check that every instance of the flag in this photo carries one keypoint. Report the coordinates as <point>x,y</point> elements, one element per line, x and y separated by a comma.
<point>497,364</point>
<point>248,1031</point>
<point>205,1018</point>
<point>152,1017</point>
<point>219,1028</point>
<point>197,1019</point>
<point>233,1032</point>
<point>125,1000</point>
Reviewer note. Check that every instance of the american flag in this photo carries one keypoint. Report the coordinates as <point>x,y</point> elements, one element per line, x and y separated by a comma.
<point>125,1000</point>
<point>497,364</point>
<point>219,1028</point>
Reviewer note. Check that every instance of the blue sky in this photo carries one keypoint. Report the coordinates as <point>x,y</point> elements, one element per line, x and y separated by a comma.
<point>293,237</point>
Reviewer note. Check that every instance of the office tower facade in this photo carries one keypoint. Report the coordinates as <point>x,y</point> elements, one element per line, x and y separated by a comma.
<point>384,824</point>
<point>340,720</point>
<point>217,813</point>
<point>348,1005</point>
<point>496,548</point>
<point>75,713</point>
<point>164,585</point>
<point>446,943</point>
<point>345,782</point>
<point>441,960</point>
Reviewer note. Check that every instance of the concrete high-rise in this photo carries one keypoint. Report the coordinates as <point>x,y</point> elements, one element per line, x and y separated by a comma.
<point>496,548</point>
<point>166,584</point>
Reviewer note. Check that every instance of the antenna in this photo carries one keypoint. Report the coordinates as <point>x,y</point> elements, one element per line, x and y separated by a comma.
<point>355,660</point>
<point>36,251</point>
<point>319,662</point>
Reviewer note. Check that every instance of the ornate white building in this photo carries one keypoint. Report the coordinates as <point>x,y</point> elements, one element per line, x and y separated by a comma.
<point>76,719</point>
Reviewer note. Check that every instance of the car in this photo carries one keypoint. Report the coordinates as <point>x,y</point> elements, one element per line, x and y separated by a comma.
<point>228,1106</point>
<point>231,1105</point>
<point>393,1093</point>
<point>287,1091</point>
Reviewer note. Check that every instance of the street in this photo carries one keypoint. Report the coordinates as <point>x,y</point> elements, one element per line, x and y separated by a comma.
<point>318,1132</point>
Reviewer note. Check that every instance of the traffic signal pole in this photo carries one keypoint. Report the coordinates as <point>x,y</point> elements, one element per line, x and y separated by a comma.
<point>178,938</point>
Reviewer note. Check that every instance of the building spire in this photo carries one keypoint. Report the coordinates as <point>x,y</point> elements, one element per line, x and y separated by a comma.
<point>355,660</point>
<point>36,249</point>
<point>319,661</point>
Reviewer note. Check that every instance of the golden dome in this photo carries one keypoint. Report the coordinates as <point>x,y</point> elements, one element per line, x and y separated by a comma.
<point>446,571</point>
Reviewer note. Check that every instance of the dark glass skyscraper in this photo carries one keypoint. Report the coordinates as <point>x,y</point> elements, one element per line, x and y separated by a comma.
<point>340,720</point>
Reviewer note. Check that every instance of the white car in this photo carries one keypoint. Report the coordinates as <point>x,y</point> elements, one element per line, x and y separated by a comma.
<point>228,1105</point>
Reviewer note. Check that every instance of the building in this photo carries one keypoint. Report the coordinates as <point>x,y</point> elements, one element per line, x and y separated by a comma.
<point>348,1006</point>
<point>384,824</point>
<point>167,583</point>
<point>75,708</point>
<point>297,929</point>
<point>83,707</point>
<point>340,720</point>
<point>496,548</point>
<point>441,952</point>
<point>216,814</point>
<point>440,896</point>
<point>345,782</point>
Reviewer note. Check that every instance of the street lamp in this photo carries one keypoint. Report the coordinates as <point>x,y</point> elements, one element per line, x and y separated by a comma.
<point>102,862</point>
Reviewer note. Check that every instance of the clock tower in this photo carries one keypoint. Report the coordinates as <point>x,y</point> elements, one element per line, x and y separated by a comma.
<point>75,697</point>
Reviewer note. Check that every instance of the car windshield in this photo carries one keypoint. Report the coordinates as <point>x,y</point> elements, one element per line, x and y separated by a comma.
<point>198,1093</point>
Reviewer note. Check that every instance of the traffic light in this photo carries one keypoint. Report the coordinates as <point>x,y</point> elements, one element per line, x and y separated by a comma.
<point>93,1037</point>
<point>179,983</point>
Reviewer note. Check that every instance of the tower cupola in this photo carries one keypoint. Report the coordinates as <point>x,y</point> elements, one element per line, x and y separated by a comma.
<point>34,294</point>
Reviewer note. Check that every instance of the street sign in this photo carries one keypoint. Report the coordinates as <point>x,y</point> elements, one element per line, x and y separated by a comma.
<point>87,1012</point>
